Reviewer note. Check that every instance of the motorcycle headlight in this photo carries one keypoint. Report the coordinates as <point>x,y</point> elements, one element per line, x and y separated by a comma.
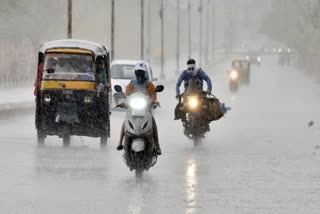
<point>289,50</point>
<point>234,75</point>
<point>88,99</point>
<point>280,50</point>
<point>47,98</point>
<point>259,59</point>
<point>247,57</point>
<point>137,103</point>
<point>193,102</point>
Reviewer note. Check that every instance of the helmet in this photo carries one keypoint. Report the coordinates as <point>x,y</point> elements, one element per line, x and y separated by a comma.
<point>141,66</point>
<point>141,72</point>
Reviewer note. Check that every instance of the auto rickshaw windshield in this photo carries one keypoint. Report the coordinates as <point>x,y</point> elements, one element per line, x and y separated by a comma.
<point>65,66</point>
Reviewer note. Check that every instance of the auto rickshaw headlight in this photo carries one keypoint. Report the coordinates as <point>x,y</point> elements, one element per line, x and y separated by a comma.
<point>88,100</point>
<point>234,75</point>
<point>259,59</point>
<point>47,98</point>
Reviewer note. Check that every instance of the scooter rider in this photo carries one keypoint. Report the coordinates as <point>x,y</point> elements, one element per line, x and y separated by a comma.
<point>190,72</point>
<point>142,84</point>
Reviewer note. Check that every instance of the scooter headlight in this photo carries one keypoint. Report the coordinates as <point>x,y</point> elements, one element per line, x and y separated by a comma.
<point>193,102</point>
<point>234,75</point>
<point>137,103</point>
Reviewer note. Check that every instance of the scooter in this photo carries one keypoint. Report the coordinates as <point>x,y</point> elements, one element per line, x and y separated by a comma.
<point>139,147</point>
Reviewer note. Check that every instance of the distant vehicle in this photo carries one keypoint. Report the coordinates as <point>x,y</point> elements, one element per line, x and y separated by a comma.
<point>239,74</point>
<point>122,72</point>
<point>72,91</point>
<point>254,58</point>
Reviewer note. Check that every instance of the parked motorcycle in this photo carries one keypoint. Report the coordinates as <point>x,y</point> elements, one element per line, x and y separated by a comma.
<point>139,147</point>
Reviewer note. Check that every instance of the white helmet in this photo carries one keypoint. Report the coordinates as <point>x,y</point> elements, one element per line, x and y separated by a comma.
<point>141,66</point>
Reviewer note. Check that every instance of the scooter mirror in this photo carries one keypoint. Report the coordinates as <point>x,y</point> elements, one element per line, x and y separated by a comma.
<point>118,88</point>
<point>159,88</point>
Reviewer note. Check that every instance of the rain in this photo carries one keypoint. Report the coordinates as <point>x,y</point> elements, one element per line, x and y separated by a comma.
<point>75,73</point>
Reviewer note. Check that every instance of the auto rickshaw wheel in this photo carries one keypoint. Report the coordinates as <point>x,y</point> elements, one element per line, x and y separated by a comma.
<point>40,137</point>
<point>66,139</point>
<point>103,141</point>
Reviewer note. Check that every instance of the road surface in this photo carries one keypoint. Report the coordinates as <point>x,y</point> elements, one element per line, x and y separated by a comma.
<point>261,158</point>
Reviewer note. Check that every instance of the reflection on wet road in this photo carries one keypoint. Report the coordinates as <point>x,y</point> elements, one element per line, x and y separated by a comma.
<point>191,186</point>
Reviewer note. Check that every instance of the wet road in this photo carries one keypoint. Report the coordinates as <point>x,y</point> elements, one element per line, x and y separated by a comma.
<point>261,158</point>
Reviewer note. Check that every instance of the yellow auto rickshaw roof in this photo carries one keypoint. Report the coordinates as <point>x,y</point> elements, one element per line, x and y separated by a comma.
<point>74,44</point>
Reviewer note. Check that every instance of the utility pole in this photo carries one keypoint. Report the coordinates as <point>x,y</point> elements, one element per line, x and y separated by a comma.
<point>142,30</point>
<point>207,34</point>
<point>149,32</point>
<point>112,28</point>
<point>189,30</point>
<point>178,36</point>
<point>69,19</point>
<point>213,38</point>
<point>162,75</point>
<point>200,45</point>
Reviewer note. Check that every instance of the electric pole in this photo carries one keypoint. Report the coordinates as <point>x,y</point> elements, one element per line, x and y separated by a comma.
<point>69,19</point>
<point>189,30</point>
<point>162,75</point>
<point>213,38</point>
<point>112,28</point>
<point>200,45</point>
<point>149,32</point>
<point>142,30</point>
<point>207,34</point>
<point>178,36</point>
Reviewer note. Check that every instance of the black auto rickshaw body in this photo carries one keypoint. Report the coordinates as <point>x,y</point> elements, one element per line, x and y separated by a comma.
<point>73,89</point>
<point>243,67</point>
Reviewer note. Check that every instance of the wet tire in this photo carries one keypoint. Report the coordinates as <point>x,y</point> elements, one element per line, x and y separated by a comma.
<point>103,141</point>
<point>196,141</point>
<point>66,140</point>
<point>139,173</point>
<point>40,138</point>
<point>233,86</point>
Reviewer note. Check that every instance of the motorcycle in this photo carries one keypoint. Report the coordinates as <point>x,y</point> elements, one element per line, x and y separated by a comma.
<point>139,147</point>
<point>193,104</point>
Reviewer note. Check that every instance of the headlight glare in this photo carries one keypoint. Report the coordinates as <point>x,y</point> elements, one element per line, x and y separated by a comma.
<point>193,102</point>
<point>88,99</point>
<point>47,98</point>
<point>137,103</point>
<point>234,75</point>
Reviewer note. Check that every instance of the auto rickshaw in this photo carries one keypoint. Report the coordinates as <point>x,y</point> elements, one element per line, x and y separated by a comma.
<point>73,89</point>
<point>239,73</point>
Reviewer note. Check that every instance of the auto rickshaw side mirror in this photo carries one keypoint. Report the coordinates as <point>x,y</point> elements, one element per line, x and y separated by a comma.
<point>159,88</point>
<point>118,88</point>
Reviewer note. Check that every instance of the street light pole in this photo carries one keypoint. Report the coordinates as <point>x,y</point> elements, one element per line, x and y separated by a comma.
<point>112,28</point>
<point>162,75</point>
<point>213,30</point>
<point>142,31</point>
<point>200,45</point>
<point>189,29</point>
<point>207,34</point>
<point>149,31</point>
<point>178,36</point>
<point>69,19</point>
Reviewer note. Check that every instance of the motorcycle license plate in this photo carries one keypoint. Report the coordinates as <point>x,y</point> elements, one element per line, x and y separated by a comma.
<point>138,113</point>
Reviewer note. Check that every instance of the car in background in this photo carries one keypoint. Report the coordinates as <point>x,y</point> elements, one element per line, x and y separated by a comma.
<point>254,58</point>
<point>122,72</point>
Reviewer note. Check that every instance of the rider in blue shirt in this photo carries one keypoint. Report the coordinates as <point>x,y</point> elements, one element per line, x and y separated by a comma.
<point>193,71</point>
